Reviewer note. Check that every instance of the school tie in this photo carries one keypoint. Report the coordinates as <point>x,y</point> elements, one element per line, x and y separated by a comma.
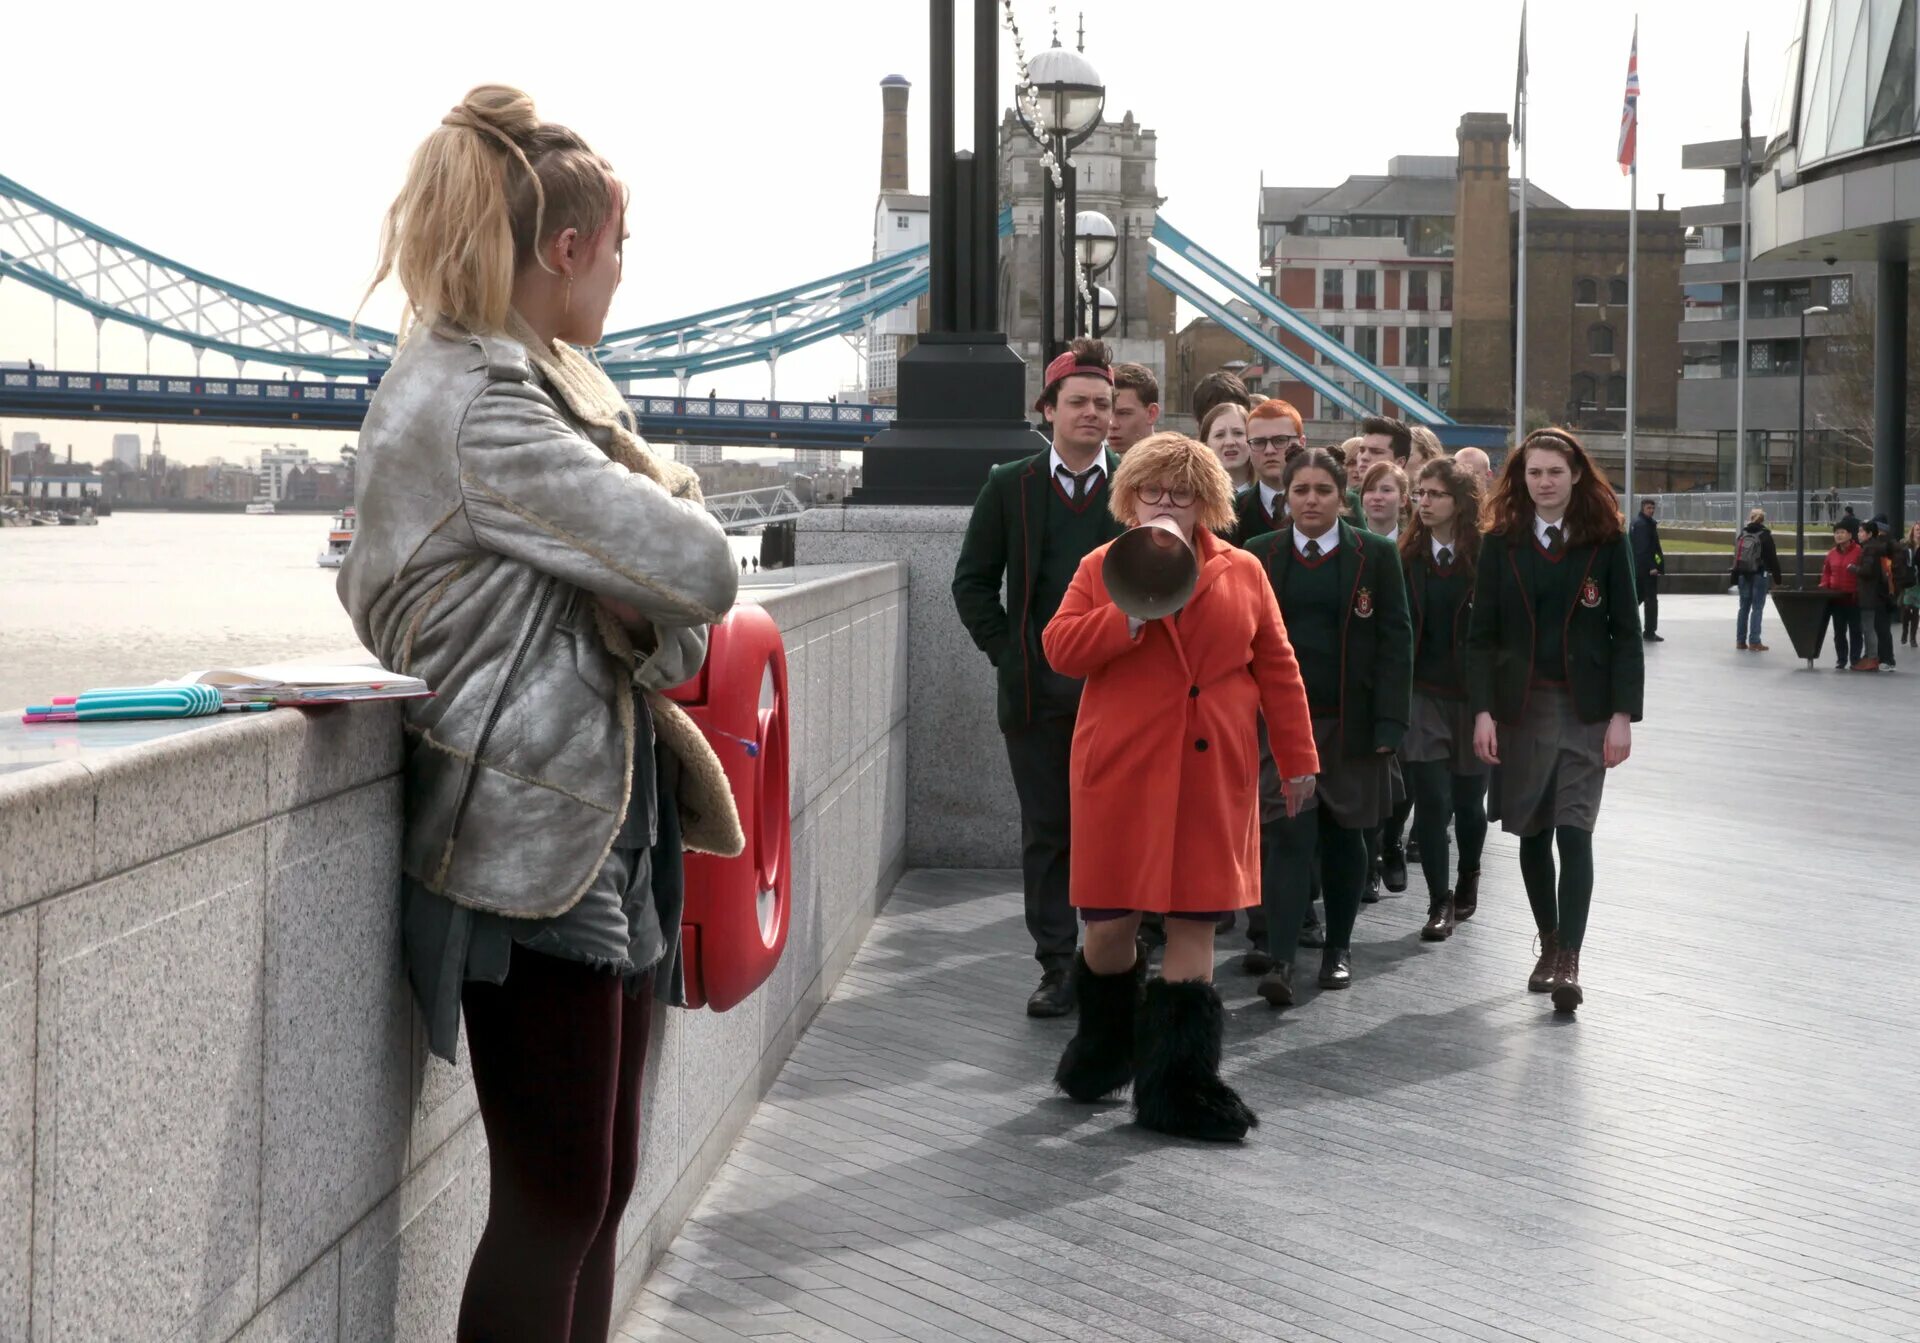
<point>1313,550</point>
<point>1080,484</point>
<point>1445,557</point>
<point>1553,540</point>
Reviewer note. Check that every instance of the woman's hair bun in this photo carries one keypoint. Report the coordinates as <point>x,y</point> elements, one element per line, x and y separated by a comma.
<point>501,108</point>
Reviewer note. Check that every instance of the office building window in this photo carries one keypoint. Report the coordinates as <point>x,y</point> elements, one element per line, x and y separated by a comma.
<point>1430,235</point>
<point>1759,357</point>
<point>1419,346</point>
<point>1366,343</point>
<point>1416,291</point>
<point>1586,294</point>
<point>1333,287</point>
<point>1840,292</point>
<point>1583,388</point>
<point>1446,290</point>
<point>1366,289</point>
<point>1338,335</point>
<point>1617,290</point>
<point>1446,347</point>
<point>1599,340</point>
<point>900,221</point>
<point>1616,393</point>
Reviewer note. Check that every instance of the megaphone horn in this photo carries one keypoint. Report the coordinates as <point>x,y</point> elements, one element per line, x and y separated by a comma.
<point>1150,571</point>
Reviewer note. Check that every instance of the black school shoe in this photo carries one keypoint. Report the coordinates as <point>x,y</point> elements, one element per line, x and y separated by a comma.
<point>1393,868</point>
<point>1054,997</point>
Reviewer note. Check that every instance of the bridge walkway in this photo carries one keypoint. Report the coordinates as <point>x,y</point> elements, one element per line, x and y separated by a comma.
<point>1720,1148</point>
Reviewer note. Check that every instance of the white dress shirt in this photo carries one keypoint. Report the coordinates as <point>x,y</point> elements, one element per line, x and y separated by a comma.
<point>1328,543</point>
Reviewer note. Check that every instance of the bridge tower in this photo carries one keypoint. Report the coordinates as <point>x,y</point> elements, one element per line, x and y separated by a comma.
<point>1116,166</point>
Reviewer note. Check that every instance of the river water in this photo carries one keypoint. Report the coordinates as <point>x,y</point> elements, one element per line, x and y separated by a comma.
<point>148,596</point>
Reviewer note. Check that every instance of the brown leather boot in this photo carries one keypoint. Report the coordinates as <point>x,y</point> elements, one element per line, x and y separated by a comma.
<point>1541,980</point>
<point>1440,921</point>
<point>1566,982</point>
<point>1466,895</point>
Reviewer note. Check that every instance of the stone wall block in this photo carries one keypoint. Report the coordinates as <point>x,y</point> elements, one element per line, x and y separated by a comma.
<point>46,832</point>
<point>19,943</point>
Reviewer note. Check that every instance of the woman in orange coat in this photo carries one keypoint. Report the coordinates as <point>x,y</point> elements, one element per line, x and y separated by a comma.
<point>1165,791</point>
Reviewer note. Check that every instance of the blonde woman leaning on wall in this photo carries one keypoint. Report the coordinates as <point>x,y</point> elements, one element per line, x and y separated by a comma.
<point>521,549</point>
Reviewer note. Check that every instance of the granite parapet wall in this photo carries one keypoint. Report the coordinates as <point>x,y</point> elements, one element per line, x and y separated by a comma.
<point>218,1115</point>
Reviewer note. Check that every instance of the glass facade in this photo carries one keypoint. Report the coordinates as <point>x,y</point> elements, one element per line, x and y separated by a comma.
<point>1856,77</point>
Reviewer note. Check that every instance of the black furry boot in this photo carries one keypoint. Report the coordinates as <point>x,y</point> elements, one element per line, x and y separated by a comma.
<point>1099,1059</point>
<point>1176,1083</point>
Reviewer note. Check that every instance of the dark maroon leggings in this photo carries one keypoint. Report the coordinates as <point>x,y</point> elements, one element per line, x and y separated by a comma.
<point>558,1052</point>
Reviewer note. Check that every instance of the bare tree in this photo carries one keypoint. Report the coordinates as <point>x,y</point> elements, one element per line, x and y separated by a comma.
<point>1845,358</point>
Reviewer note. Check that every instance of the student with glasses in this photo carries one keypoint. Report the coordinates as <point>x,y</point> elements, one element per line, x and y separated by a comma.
<point>1439,550</point>
<point>1164,755</point>
<point>1274,430</point>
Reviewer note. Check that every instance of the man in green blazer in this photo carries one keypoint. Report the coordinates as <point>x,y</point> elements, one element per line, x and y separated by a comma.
<point>1034,521</point>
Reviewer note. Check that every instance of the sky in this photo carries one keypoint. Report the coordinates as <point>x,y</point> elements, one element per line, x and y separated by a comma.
<point>263,142</point>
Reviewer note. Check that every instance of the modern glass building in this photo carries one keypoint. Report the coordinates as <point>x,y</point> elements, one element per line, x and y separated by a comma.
<point>1841,183</point>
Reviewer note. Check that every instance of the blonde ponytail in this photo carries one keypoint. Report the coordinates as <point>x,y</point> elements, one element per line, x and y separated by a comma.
<point>484,190</point>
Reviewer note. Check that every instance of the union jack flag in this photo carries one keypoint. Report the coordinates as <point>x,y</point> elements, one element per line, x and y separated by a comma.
<point>1630,112</point>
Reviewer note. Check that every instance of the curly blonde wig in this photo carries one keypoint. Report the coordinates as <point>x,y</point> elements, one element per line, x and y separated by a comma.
<point>1174,461</point>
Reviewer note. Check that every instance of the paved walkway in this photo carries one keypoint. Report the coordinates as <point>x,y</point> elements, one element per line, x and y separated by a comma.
<point>1721,1147</point>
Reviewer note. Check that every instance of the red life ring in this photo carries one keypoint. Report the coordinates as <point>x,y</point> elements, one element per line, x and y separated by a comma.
<point>738,909</point>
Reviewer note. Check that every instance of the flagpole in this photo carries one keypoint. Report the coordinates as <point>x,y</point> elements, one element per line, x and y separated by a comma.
<point>1633,285</point>
<point>1520,298</point>
<point>1740,343</point>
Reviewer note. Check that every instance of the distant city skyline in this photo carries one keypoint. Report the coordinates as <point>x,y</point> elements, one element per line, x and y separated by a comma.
<point>239,191</point>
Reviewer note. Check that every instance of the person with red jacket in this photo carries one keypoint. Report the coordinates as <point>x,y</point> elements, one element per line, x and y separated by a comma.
<point>1838,578</point>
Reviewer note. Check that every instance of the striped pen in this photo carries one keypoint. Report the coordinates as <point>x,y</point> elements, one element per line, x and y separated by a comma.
<point>133,702</point>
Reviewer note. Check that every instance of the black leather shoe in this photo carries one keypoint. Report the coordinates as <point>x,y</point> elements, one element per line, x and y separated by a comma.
<point>1336,968</point>
<point>1371,896</point>
<point>1439,925</point>
<point>1413,850</point>
<point>1393,868</point>
<point>1054,997</point>
<point>1313,934</point>
<point>1256,962</point>
<point>1466,895</point>
<point>1656,638</point>
<point>1277,987</point>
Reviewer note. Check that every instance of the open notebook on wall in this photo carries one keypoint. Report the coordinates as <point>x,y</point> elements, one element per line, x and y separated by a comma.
<point>306,683</point>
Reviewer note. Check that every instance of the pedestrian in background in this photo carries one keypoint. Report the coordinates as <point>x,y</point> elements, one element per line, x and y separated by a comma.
<point>1649,562</point>
<point>1756,565</point>
<point>1907,569</point>
<point>1874,566</point>
<point>1842,585</point>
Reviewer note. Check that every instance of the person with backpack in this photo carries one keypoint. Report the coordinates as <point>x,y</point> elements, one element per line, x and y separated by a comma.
<point>1874,565</point>
<point>1756,565</point>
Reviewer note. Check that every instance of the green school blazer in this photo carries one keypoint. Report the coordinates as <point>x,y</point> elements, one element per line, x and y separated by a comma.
<point>1376,639</point>
<point>1001,554</point>
<point>1606,662</point>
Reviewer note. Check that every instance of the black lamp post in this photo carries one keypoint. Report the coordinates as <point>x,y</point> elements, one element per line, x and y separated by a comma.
<point>1800,459</point>
<point>962,388</point>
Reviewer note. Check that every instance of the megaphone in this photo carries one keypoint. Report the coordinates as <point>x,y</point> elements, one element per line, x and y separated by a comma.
<point>1150,571</point>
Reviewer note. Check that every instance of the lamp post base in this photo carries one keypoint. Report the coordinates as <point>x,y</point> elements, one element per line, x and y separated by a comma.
<point>960,415</point>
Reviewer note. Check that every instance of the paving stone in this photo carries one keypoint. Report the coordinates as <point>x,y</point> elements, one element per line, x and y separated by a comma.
<point>1720,1147</point>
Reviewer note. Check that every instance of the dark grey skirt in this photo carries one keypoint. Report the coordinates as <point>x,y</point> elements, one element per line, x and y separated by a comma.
<point>1358,793</point>
<point>1552,768</point>
<point>1441,730</point>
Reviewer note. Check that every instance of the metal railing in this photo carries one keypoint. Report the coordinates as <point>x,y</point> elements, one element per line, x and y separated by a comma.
<point>1718,508</point>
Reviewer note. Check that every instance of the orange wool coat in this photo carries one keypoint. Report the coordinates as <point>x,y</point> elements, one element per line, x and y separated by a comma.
<point>1165,776</point>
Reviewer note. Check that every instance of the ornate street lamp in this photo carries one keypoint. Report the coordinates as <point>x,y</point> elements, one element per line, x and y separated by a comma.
<point>1069,99</point>
<point>1106,310</point>
<point>1095,246</point>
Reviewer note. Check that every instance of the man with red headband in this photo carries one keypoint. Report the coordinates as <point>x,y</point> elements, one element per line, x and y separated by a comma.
<point>1033,523</point>
<point>1274,434</point>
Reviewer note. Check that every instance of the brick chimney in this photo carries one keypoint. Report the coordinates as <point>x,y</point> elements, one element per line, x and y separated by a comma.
<point>893,133</point>
<point>1483,274</point>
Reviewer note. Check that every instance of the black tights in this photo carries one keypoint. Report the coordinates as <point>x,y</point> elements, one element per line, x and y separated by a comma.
<point>1438,794</point>
<point>1910,623</point>
<point>1294,851</point>
<point>1568,915</point>
<point>558,1052</point>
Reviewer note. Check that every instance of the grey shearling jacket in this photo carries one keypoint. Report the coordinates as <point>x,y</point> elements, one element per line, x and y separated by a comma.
<point>488,522</point>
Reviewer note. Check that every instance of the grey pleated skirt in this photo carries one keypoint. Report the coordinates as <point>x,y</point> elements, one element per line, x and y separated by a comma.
<point>1441,730</point>
<point>1552,768</point>
<point>1359,792</point>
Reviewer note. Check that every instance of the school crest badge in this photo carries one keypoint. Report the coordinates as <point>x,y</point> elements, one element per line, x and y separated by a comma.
<point>1363,603</point>
<point>1590,594</point>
